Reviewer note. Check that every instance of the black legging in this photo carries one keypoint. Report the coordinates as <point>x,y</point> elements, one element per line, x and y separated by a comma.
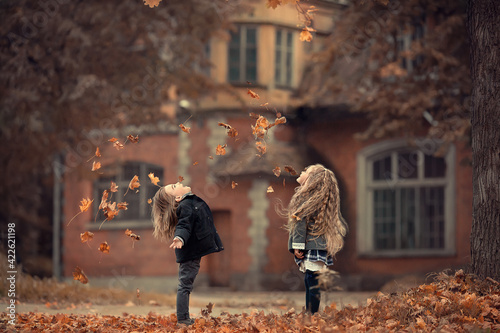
<point>313,295</point>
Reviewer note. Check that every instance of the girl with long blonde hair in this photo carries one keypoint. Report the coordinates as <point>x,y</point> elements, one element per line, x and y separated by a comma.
<point>316,226</point>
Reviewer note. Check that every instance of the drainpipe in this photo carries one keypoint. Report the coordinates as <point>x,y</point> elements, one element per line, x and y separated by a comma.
<point>56,218</point>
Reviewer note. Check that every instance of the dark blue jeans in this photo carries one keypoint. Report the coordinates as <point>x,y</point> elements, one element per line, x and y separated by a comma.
<point>187,273</point>
<point>313,293</point>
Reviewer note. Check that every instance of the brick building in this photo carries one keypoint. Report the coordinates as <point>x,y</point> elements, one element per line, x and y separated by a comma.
<point>408,212</point>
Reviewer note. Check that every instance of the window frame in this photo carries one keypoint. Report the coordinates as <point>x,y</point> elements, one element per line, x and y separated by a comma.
<point>365,192</point>
<point>242,61</point>
<point>117,173</point>
<point>285,78</point>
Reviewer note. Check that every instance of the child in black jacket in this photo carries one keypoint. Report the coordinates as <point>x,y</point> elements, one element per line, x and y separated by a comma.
<point>180,214</point>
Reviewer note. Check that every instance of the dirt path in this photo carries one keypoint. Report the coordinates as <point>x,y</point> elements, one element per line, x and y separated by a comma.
<point>230,302</point>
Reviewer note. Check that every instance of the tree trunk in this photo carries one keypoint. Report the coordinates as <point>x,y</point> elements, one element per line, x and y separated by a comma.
<point>484,34</point>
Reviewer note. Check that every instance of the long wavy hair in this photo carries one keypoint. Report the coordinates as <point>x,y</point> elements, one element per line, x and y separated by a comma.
<point>317,201</point>
<point>163,215</point>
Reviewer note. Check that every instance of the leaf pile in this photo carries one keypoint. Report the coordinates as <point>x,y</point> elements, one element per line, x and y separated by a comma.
<point>454,303</point>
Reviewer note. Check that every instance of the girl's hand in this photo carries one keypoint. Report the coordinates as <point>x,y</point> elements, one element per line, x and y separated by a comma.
<point>176,244</point>
<point>298,253</point>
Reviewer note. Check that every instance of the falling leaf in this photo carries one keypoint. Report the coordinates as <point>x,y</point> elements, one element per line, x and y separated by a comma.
<point>132,235</point>
<point>118,145</point>
<point>110,211</point>
<point>220,150</point>
<point>234,184</point>
<point>104,247</point>
<point>113,139</point>
<point>195,163</point>
<point>181,179</point>
<point>96,166</point>
<point>154,180</point>
<point>280,120</point>
<point>79,275</point>
<point>305,35</point>
<point>253,115</point>
<point>277,171</point>
<point>150,201</point>
<point>185,129</point>
<point>133,139</point>
<point>113,187</point>
<point>273,3</point>
<point>253,94</point>
<point>208,309</point>
<point>134,183</point>
<point>261,147</point>
<point>152,3</point>
<point>270,189</point>
<point>122,206</point>
<point>85,204</point>
<point>211,157</point>
<point>104,199</point>
<point>265,104</point>
<point>290,170</point>
<point>86,236</point>
<point>97,152</point>
<point>138,293</point>
<point>231,132</point>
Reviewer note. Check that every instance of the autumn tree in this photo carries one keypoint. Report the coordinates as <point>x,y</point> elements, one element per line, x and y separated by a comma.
<point>404,64</point>
<point>484,34</point>
<point>72,70</point>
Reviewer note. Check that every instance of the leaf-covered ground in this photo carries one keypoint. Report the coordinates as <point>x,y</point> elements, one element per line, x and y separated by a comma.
<point>453,303</point>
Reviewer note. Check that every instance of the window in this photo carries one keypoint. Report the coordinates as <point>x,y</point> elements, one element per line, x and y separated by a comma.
<point>405,200</point>
<point>404,42</point>
<point>138,209</point>
<point>283,57</point>
<point>243,55</point>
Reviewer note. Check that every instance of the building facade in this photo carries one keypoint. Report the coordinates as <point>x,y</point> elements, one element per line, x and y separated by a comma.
<point>408,211</point>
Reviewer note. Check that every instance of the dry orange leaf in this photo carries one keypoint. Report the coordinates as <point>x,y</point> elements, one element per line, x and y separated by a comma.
<point>220,150</point>
<point>97,152</point>
<point>152,3</point>
<point>134,183</point>
<point>104,199</point>
<point>132,235</point>
<point>85,204</point>
<point>211,157</point>
<point>231,132</point>
<point>234,184</point>
<point>195,163</point>
<point>118,145</point>
<point>270,189</point>
<point>79,275</point>
<point>113,187</point>
<point>185,129</point>
<point>104,247</point>
<point>261,147</point>
<point>305,35</point>
<point>96,165</point>
<point>154,180</point>
<point>290,170</point>
<point>113,139</point>
<point>133,139</point>
<point>150,201</point>
<point>122,206</point>
<point>110,211</point>
<point>86,236</point>
<point>277,171</point>
<point>181,179</point>
<point>253,94</point>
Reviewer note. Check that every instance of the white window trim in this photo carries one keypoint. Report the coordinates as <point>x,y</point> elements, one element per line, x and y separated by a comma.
<point>281,82</point>
<point>364,220</point>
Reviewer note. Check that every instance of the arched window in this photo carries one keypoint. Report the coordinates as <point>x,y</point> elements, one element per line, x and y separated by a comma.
<point>405,199</point>
<point>138,210</point>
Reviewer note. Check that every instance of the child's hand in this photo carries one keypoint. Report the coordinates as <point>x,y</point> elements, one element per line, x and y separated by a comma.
<point>176,244</point>
<point>298,253</point>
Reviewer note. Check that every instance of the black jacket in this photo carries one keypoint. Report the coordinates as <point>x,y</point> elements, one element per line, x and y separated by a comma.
<point>196,228</point>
